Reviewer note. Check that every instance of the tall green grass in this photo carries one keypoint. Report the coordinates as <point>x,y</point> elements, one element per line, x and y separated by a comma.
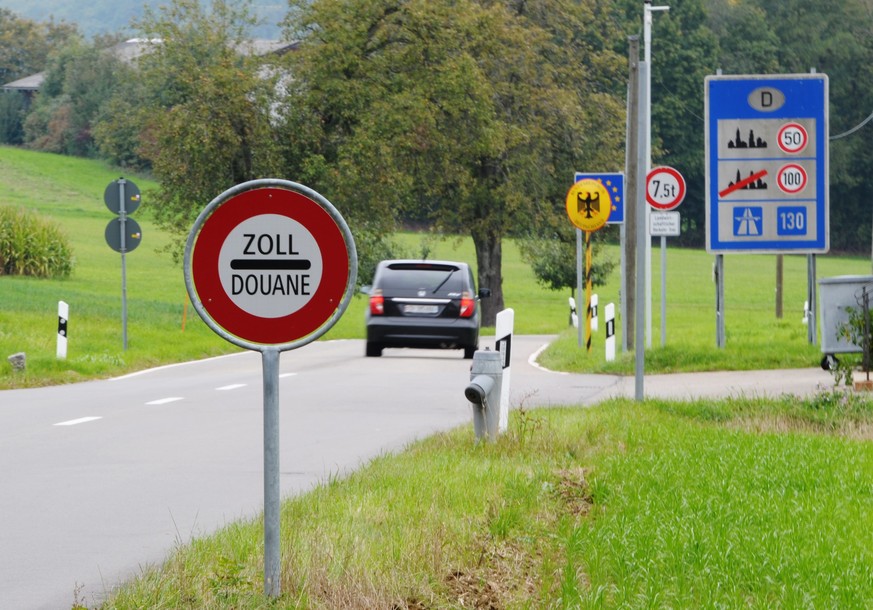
<point>737,503</point>
<point>32,245</point>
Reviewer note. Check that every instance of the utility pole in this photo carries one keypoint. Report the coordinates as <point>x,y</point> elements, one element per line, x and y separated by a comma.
<point>647,50</point>
<point>629,295</point>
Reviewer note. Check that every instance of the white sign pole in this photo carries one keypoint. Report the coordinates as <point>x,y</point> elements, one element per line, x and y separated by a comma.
<point>503,332</point>
<point>647,58</point>
<point>63,318</point>
<point>609,313</point>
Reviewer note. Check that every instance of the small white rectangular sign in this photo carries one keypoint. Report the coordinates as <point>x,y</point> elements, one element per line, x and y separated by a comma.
<point>664,224</point>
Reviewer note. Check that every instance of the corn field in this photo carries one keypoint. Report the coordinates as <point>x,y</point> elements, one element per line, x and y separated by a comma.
<point>32,245</point>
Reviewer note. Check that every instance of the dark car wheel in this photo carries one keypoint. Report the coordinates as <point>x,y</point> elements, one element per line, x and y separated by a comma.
<point>374,350</point>
<point>468,352</point>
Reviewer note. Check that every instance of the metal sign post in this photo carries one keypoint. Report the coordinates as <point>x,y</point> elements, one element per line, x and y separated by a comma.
<point>270,265</point>
<point>123,234</point>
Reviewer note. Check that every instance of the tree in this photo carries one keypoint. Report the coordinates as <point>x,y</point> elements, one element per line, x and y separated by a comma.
<point>207,122</point>
<point>24,50</point>
<point>836,39</point>
<point>25,45</point>
<point>79,79</point>
<point>472,111</point>
<point>11,117</point>
<point>553,256</point>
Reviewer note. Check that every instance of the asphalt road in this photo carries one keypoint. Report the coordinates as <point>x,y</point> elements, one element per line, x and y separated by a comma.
<point>101,479</point>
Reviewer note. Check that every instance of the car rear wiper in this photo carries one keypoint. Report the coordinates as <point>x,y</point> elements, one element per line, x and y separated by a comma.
<point>443,283</point>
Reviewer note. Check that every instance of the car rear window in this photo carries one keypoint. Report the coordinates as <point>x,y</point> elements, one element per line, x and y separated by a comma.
<point>403,277</point>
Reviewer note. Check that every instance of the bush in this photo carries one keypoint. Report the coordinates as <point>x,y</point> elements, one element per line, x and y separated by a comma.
<point>32,245</point>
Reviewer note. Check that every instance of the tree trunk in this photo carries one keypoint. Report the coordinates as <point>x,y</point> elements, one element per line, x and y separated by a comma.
<point>489,262</point>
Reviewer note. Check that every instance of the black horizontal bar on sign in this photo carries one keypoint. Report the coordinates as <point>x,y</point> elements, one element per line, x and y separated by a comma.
<point>270,264</point>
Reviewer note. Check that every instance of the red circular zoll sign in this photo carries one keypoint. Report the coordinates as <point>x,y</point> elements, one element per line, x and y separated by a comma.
<point>270,264</point>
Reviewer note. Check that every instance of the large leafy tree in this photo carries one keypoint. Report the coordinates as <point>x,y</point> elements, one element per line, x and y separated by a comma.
<point>683,52</point>
<point>476,112</point>
<point>25,47</point>
<point>205,120</point>
<point>836,39</point>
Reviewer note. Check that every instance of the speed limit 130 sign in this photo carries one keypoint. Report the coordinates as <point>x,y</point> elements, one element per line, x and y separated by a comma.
<point>665,188</point>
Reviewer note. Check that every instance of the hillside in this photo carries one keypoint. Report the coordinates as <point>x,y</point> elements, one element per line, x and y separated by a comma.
<point>115,16</point>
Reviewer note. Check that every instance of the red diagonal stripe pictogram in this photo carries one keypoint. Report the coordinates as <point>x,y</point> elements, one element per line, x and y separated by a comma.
<point>742,183</point>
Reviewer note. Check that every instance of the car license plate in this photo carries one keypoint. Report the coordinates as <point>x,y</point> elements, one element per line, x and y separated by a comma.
<point>420,309</point>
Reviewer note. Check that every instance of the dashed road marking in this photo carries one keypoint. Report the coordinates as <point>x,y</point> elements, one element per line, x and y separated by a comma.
<point>233,386</point>
<point>163,401</point>
<point>74,422</point>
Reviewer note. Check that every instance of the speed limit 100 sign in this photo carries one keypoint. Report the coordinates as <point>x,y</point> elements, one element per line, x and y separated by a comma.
<point>665,188</point>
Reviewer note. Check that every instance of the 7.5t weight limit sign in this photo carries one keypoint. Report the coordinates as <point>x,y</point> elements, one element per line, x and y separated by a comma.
<point>665,188</point>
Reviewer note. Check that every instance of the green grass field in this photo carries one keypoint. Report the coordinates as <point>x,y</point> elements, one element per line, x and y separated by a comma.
<point>163,328</point>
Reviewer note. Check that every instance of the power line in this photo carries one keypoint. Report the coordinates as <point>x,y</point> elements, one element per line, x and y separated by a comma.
<point>853,129</point>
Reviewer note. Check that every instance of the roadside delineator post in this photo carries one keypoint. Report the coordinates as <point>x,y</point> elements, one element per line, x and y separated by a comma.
<point>63,318</point>
<point>610,331</point>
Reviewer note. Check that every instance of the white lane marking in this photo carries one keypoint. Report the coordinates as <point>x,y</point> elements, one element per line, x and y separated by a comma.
<point>283,375</point>
<point>232,386</point>
<point>81,420</point>
<point>177,364</point>
<point>163,401</point>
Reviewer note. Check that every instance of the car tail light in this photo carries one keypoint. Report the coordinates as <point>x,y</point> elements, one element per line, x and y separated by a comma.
<point>377,303</point>
<point>468,305</point>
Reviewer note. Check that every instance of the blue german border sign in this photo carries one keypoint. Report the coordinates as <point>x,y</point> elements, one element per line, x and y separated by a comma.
<point>614,183</point>
<point>767,164</point>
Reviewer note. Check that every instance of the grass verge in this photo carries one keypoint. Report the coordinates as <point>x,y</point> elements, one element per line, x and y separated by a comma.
<point>727,504</point>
